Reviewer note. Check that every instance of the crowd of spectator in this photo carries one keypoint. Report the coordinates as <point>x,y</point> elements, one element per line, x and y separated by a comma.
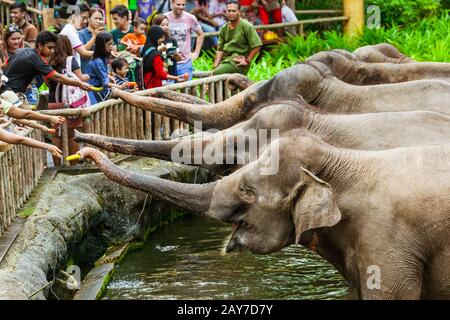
<point>153,43</point>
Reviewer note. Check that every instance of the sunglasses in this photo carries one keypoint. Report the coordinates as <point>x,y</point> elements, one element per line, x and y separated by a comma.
<point>13,28</point>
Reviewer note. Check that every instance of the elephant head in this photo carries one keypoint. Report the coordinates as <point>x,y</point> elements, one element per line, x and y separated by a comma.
<point>268,211</point>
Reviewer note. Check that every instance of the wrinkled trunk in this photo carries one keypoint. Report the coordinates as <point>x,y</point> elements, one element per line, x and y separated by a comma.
<point>193,197</point>
<point>155,149</point>
<point>189,150</point>
<point>220,115</point>
<point>238,81</point>
<point>179,97</point>
<point>380,53</point>
<point>363,73</point>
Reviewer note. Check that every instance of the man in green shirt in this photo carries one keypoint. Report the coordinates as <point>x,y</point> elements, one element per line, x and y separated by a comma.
<point>120,16</point>
<point>238,43</point>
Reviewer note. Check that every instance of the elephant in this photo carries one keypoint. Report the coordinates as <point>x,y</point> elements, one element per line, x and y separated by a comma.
<point>363,73</point>
<point>234,81</point>
<point>316,87</point>
<point>372,131</point>
<point>387,211</point>
<point>380,53</point>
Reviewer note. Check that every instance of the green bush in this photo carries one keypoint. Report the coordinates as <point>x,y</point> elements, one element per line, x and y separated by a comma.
<point>404,12</point>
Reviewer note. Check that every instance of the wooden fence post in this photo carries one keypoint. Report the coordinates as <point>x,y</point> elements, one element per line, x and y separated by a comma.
<point>354,10</point>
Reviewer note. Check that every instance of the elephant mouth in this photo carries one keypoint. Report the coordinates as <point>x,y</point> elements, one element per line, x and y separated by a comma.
<point>233,244</point>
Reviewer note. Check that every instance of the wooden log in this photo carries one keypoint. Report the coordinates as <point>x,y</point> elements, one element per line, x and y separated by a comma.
<point>65,144</point>
<point>219,91</point>
<point>148,125</point>
<point>122,123</point>
<point>166,127</point>
<point>97,126</point>
<point>203,91</point>
<point>103,122</point>
<point>140,123</point>
<point>228,92</point>
<point>354,10</point>
<point>291,24</point>
<point>3,193</point>
<point>301,31</point>
<point>127,121</point>
<point>212,94</point>
<point>157,127</point>
<point>133,123</point>
<point>12,190</point>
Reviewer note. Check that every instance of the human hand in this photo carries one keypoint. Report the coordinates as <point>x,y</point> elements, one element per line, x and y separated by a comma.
<point>194,56</point>
<point>57,120</point>
<point>241,61</point>
<point>84,86</point>
<point>50,130</point>
<point>54,151</point>
<point>98,30</point>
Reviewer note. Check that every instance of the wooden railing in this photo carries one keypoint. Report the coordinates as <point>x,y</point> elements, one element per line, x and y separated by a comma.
<point>35,14</point>
<point>115,118</point>
<point>20,170</point>
<point>299,24</point>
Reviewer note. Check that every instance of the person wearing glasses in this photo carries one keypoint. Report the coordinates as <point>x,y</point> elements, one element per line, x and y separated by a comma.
<point>12,41</point>
<point>77,21</point>
<point>18,12</point>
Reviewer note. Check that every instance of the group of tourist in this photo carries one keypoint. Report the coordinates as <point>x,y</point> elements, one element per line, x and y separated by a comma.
<point>143,51</point>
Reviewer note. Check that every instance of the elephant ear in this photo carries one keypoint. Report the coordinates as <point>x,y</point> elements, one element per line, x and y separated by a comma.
<point>314,205</point>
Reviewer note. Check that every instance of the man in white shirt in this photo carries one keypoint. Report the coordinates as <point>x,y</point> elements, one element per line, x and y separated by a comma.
<point>78,20</point>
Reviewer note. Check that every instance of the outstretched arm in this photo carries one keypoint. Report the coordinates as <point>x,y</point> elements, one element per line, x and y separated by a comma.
<point>71,82</point>
<point>32,115</point>
<point>10,138</point>
<point>32,124</point>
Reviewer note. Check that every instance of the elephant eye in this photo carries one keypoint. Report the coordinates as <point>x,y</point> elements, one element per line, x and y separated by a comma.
<point>244,224</point>
<point>247,192</point>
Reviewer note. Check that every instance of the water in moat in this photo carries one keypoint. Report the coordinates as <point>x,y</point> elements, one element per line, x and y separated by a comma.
<point>185,261</point>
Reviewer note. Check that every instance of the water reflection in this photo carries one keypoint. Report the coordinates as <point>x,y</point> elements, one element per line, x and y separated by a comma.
<point>184,261</point>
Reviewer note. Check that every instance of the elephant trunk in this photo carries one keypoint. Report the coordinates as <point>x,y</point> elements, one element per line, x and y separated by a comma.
<point>220,115</point>
<point>193,197</point>
<point>180,97</point>
<point>155,149</point>
<point>238,81</point>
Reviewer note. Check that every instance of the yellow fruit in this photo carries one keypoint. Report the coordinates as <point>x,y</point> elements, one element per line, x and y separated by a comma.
<point>73,157</point>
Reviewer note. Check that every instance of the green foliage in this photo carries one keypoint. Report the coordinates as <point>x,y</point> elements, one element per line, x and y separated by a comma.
<point>318,4</point>
<point>428,40</point>
<point>405,12</point>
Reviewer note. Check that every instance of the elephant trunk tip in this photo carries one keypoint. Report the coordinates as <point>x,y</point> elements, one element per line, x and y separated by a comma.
<point>90,153</point>
<point>78,136</point>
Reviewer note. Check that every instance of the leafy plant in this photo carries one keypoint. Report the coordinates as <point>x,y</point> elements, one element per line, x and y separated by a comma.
<point>405,12</point>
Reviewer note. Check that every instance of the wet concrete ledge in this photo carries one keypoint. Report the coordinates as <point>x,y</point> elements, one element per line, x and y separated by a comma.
<point>73,208</point>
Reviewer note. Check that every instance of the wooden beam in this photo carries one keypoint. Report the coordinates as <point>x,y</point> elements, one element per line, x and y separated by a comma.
<point>317,11</point>
<point>354,10</point>
<point>288,24</point>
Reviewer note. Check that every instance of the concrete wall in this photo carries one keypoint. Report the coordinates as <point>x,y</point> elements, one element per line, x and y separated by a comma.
<point>73,208</point>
